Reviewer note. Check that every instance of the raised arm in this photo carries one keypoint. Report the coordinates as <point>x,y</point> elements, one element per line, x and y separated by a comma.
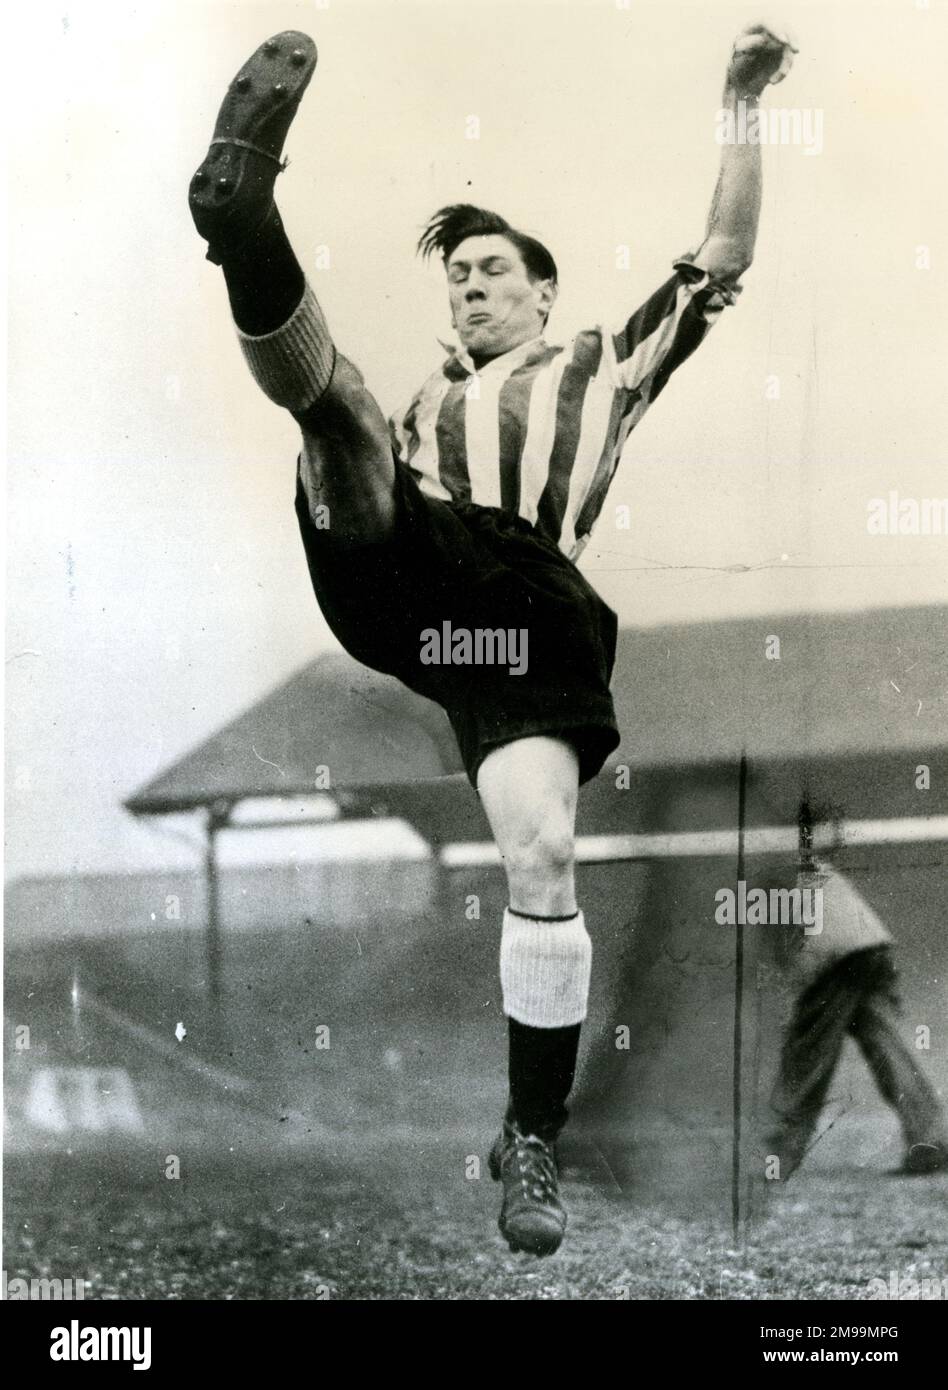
<point>667,328</point>
<point>760,57</point>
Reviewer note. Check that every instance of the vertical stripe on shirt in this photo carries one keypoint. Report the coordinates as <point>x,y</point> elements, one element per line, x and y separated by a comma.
<point>570,405</point>
<point>513,413</point>
<point>451,438</point>
<point>424,414</point>
<point>482,438</point>
<point>596,427</point>
<point>541,431</point>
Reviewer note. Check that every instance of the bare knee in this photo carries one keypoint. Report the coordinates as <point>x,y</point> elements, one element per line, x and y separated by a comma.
<point>549,849</point>
<point>540,867</point>
<point>528,788</point>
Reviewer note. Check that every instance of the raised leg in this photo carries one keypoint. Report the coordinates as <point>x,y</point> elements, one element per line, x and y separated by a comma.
<point>346,462</point>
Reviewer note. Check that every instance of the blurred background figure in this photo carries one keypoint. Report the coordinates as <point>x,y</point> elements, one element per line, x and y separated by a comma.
<point>848,987</point>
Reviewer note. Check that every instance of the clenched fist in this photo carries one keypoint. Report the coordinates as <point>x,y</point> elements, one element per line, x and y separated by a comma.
<point>761,56</point>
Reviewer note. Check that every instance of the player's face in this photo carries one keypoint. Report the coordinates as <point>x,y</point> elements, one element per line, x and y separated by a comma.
<point>495,306</point>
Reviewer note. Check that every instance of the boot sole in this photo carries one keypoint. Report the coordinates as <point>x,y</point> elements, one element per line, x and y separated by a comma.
<point>258,109</point>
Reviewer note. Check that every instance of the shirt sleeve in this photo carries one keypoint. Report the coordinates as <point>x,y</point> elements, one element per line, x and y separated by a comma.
<point>667,328</point>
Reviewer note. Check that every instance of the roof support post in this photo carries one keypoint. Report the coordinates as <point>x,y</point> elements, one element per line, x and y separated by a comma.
<point>218,817</point>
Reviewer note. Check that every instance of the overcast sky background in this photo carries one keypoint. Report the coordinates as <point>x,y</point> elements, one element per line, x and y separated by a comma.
<point>156,581</point>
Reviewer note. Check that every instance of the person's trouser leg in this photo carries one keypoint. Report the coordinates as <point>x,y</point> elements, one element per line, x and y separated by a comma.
<point>875,1027</point>
<point>809,1056</point>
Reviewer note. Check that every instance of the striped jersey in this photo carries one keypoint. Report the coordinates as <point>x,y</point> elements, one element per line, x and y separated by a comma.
<point>539,431</point>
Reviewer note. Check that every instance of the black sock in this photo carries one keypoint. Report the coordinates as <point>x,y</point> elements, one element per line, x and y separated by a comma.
<point>264,279</point>
<point>541,1070</point>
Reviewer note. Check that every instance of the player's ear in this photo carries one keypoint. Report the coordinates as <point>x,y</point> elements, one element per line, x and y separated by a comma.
<point>546,295</point>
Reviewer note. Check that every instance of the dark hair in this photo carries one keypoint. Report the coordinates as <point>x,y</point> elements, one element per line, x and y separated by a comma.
<point>450,226</point>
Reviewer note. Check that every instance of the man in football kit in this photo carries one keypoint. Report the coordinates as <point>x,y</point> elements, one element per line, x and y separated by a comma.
<point>469,511</point>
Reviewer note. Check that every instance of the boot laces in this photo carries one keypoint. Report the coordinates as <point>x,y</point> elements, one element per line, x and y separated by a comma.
<point>536,1166</point>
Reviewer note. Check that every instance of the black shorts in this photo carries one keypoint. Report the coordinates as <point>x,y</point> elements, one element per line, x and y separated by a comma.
<point>481,571</point>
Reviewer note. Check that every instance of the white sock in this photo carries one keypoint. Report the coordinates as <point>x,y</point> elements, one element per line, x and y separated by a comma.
<point>293,365</point>
<point>544,970</point>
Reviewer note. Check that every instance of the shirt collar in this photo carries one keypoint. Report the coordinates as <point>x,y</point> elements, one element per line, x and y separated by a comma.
<point>460,363</point>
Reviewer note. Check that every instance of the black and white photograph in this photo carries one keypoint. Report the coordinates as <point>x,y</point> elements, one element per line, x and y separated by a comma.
<point>477,663</point>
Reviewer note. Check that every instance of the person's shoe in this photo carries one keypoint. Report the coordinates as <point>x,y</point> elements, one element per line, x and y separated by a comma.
<point>532,1218</point>
<point>922,1159</point>
<point>231,193</point>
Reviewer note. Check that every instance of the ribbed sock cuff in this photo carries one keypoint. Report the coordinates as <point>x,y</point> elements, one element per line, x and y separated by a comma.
<point>544,970</point>
<point>294,364</point>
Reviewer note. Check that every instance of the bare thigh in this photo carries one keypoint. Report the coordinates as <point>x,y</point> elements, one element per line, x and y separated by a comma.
<point>347,467</point>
